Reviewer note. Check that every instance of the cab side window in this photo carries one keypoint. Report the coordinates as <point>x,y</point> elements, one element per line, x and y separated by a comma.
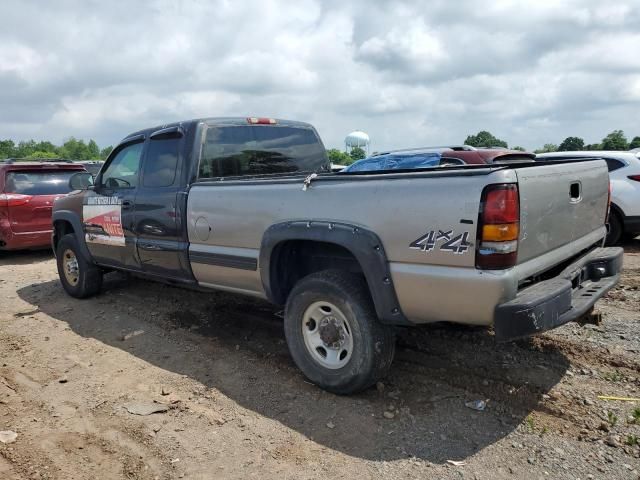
<point>122,171</point>
<point>161,161</point>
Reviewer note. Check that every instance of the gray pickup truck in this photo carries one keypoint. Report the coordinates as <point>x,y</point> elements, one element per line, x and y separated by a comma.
<point>249,205</point>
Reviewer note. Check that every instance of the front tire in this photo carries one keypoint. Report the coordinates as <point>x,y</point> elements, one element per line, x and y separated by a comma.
<point>333,332</point>
<point>79,278</point>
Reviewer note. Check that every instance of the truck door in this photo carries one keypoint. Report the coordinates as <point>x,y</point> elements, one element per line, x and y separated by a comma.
<point>159,227</point>
<point>108,209</point>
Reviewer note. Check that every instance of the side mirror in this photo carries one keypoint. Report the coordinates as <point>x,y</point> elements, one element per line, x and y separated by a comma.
<point>81,181</point>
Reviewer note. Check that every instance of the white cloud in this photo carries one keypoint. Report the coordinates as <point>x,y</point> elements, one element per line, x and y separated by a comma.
<point>406,47</point>
<point>408,72</point>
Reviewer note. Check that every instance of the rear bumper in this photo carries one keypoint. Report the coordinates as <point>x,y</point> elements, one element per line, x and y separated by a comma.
<point>10,240</point>
<point>565,298</point>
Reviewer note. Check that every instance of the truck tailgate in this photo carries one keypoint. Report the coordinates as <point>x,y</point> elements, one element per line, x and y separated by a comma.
<point>559,204</point>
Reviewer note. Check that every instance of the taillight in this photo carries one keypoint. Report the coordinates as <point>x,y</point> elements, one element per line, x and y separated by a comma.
<point>14,199</point>
<point>498,227</point>
<point>261,121</point>
<point>634,177</point>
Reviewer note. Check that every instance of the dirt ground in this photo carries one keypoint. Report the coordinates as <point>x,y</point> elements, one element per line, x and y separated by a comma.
<point>235,406</point>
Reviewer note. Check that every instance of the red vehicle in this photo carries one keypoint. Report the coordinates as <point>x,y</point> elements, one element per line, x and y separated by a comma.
<point>430,157</point>
<point>471,155</point>
<point>27,193</point>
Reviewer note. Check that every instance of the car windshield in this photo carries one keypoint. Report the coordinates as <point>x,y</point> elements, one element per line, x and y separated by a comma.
<point>396,162</point>
<point>38,183</point>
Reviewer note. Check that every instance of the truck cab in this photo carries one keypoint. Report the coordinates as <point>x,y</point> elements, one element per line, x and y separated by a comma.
<point>134,215</point>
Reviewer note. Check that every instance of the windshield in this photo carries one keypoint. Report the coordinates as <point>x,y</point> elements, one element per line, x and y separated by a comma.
<point>38,183</point>
<point>396,162</point>
<point>259,150</point>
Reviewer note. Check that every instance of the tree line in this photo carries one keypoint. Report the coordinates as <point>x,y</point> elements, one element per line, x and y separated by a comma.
<point>72,149</point>
<point>616,140</point>
<point>339,157</point>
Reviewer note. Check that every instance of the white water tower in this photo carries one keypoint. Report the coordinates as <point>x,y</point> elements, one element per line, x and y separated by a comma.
<point>357,139</point>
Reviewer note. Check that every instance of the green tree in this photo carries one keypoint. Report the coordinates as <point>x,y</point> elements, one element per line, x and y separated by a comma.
<point>484,139</point>
<point>520,149</point>
<point>615,141</point>
<point>593,146</point>
<point>45,146</point>
<point>25,148</point>
<point>105,152</point>
<point>339,157</point>
<point>356,154</point>
<point>548,147</point>
<point>75,149</point>
<point>7,148</point>
<point>93,150</point>
<point>72,149</point>
<point>571,144</point>
<point>42,154</point>
<point>635,143</point>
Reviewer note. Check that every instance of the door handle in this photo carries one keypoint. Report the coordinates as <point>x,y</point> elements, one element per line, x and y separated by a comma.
<point>575,192</point>
<point>150,246</point>
<point>126,204</point>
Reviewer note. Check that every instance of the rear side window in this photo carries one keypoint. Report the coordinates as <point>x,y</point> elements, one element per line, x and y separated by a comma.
<point>513,158</point>
<point>614,164</point>
<point>161,161</point>
<point>38,183</point>
<point>260,150</point>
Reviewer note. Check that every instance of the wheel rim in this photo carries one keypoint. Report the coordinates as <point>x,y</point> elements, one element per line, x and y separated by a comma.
<point>70,267</point>
<point>327,335</point>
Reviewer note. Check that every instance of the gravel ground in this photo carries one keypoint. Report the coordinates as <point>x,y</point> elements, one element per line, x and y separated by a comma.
<point>233,405</point>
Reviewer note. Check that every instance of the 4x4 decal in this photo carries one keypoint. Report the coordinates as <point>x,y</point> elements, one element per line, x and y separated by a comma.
<point>444,240</point>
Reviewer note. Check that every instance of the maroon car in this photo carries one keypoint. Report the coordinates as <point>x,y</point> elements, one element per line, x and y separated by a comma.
<point>430,157</point>
<point>473,155</point>
<point>27,193</point>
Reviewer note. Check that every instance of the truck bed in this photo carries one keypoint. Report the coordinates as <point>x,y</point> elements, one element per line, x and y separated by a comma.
<point>402,208</point>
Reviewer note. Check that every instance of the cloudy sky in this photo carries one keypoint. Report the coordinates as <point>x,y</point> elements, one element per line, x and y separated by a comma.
<point>408,73</point>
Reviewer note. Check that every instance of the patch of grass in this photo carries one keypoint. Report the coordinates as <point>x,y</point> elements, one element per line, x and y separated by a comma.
<point>632,440</point>
<point>530,424</point>
<point>613,419</point>
<point>614,376</point>
<point>636,415</point>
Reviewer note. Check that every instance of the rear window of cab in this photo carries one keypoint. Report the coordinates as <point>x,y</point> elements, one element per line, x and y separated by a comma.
<point>233,151</point>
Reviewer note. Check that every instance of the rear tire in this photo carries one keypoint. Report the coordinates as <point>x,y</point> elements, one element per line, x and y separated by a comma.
<point>615,230</point>
<point>79,278</point>
<point>333,332</point>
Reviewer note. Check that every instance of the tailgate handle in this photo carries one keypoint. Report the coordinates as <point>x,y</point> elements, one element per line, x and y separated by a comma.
<point>127,204</point>
<point>575,192</point>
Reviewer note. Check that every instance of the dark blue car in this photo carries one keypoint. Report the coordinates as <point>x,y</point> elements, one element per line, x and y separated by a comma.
<point>401,161</point>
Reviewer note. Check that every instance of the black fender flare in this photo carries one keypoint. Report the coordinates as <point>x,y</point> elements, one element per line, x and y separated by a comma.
<point>72,218</point>
<point>363,244</point>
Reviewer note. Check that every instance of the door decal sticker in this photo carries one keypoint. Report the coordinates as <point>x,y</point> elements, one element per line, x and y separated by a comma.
<point>102,219</point>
